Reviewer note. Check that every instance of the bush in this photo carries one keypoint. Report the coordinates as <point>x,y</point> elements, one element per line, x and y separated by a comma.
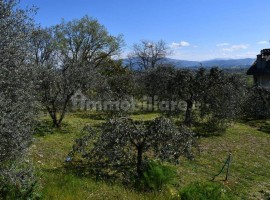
<point>17,181</point>
<point>203,191</point>
<point>156,176</point>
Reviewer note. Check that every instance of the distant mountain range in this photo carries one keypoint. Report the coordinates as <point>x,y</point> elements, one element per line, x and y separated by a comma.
<point>222,63</point>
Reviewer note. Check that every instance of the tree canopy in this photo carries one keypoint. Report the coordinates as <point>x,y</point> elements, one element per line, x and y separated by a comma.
<point>67,57</point>
<point>124,145</point>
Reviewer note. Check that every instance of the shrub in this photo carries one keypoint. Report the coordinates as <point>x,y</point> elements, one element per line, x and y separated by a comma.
<point>17,181</point>
<point>156,176</point>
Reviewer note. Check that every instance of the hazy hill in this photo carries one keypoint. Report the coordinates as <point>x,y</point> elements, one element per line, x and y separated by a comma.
<point>222,63</point>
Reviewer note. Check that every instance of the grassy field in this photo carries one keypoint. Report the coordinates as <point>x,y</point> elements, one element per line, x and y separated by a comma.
<point>249,143</point>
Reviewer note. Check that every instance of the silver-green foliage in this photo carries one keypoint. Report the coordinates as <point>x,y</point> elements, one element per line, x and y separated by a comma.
<point>125,145</point>
<point>67,57</point>
<point>16,99</point>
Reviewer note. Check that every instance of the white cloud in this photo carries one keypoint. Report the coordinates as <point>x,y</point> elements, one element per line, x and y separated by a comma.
<point>236,47</point>
<point>249,54</point>
<point>263,42</point>
<point>179,44</point>
<point>222,44</point>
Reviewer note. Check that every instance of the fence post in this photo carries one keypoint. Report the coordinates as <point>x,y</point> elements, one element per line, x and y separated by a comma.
<point>227,163</point>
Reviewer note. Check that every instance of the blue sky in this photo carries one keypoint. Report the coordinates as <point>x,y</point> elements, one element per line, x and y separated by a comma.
<point>193,29</point>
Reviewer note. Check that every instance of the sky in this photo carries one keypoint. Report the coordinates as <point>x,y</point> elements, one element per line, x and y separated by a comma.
<point>193,29</point>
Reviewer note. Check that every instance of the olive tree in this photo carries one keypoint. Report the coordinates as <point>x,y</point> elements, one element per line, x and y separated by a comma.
<point>190,86</point>
<point>184,89</point>
<point>125,144</point>
<point>68,56</point>
<point>225,94</point>
<point>155,83</point>
<point>16,97</point>
<point>256,103</point>
<point>119,80</point>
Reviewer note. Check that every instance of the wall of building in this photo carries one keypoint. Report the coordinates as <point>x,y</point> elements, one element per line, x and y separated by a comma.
<point>264,80</point>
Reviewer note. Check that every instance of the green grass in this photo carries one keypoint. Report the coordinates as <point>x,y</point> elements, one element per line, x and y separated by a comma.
<point>250,164</point>
<point>249,173</point>
<point>61,185</point>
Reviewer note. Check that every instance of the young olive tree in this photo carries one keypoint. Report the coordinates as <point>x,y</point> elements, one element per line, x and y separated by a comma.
<point>68,56</point>
<point>225,95</point>
<point>256,103</point>
<point>119,80</point>
<point>184,89</point>
<point>125,144</point>
<point>155,83</point>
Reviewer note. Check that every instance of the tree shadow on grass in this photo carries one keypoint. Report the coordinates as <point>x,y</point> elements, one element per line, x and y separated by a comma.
<point>102,116</point>
<point>260,124</point>
<point>92,115</point>
<point>44,127</point>
<point>86,170</point>
<point>206,130</point>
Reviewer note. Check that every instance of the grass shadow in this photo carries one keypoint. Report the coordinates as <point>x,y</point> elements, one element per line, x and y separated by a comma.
<point>204,130</point>
<point>91,115</point>
<point>45,127</point>
<point>262,125</point>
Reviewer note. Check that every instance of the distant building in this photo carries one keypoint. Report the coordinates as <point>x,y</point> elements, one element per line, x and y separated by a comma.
<point>79,100</point>
<point>260,69</point>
